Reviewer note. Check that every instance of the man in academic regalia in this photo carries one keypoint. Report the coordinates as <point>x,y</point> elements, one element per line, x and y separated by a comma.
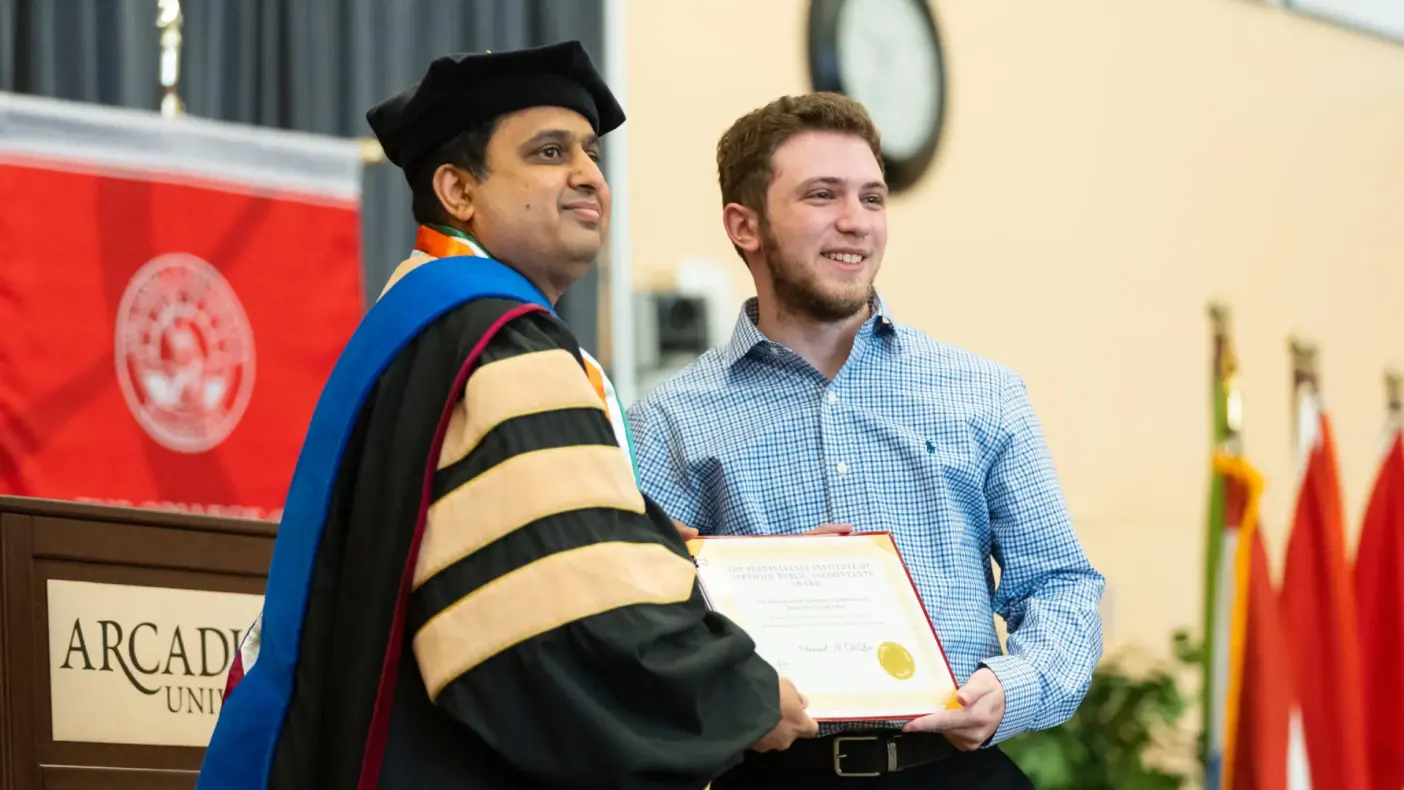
<point>468,589</point>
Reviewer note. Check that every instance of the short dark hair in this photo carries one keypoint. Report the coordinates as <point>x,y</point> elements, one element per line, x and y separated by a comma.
<point>468,150</point>
<point>745,153</point>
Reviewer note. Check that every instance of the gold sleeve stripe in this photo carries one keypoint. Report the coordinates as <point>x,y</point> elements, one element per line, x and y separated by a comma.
<point>515,387</point>
<point>554,591</point>
<point>521,490</point>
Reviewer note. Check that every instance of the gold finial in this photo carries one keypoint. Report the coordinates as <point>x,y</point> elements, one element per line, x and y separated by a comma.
<point>371,152</point>
<point>1304,362</point>
<point>169,19</point>
<point>1393,400</point>
<point>1226,362</point>
<point>1219,314</point>
<point>1226,365</point>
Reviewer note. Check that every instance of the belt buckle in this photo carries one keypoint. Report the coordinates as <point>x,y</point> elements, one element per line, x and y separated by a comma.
<point>839,755</point>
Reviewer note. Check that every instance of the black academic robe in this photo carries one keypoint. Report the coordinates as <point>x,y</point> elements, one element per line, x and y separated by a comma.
<point>552,634</point>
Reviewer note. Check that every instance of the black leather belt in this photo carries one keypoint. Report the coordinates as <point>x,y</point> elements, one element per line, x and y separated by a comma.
<point>869,754</point>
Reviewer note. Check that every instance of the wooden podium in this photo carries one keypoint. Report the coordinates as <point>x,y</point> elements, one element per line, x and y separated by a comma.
<point>117,630</point>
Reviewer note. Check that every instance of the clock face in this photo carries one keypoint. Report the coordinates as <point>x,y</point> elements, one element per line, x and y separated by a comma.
<point>888,61</point>
<point>885,54</point>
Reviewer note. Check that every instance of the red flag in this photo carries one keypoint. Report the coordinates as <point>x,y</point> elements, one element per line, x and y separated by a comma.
<point>1264,710</point>
<point>175,295</point>
<point>1318,602</point>
<point>1257,712</point>
<point>1379,589</point>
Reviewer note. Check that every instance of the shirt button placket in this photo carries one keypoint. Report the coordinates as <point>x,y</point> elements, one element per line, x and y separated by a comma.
<point>831,398</point>
<point>830,440</point>
<point>841,468</point>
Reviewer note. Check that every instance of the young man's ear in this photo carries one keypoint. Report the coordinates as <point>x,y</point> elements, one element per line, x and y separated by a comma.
<point>742,227</point>
<point>454,188</point>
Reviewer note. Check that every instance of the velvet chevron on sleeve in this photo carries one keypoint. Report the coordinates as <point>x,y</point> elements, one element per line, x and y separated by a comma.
<point>555,612</point>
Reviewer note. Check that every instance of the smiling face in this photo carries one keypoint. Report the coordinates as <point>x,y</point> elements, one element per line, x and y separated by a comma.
<point>543,206</point>
<point>820,242</point>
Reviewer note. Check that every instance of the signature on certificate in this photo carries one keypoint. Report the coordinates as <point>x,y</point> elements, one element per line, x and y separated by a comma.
<point>837,647</point>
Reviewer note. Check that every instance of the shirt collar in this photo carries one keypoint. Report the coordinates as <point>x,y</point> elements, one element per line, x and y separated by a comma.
<point>747,336</point>
<point>442,241</point>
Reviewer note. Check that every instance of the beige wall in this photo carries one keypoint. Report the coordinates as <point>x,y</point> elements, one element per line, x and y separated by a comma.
<point>1108,166</point>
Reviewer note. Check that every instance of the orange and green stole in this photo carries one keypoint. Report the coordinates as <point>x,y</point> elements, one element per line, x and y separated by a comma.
<point>437,241</point>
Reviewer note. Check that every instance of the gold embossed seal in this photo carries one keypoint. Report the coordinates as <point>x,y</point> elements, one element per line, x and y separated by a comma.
<point>896,660</point>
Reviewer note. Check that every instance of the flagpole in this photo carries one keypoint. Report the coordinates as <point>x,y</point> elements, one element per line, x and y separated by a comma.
<point>169,20</point>
<point>1226,427</point>
<point>1306,430</point>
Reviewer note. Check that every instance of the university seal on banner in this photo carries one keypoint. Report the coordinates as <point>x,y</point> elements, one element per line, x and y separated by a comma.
<point>184,353</point>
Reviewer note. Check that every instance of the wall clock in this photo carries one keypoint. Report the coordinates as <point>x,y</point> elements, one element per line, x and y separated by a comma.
<point>885,54</point>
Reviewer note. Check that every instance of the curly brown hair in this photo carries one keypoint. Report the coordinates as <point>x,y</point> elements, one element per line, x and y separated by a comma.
<point>745,153</point>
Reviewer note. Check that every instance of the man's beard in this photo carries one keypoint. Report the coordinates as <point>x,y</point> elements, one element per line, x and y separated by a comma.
<point>799,291</point>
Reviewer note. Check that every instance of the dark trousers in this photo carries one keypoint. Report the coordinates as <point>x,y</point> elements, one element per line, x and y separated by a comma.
<point>808,765</point>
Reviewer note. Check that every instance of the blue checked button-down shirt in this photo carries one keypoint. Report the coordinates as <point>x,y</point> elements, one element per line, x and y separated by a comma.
<point>933,444</point>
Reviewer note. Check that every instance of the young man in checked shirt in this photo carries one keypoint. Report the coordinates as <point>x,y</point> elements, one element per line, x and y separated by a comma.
<point>822,410</point>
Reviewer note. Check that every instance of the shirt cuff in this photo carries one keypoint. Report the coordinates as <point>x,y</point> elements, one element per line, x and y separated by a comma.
<point>1021,695</point>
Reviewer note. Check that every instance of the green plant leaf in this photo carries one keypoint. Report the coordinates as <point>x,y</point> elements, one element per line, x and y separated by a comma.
<point>1103,745</point>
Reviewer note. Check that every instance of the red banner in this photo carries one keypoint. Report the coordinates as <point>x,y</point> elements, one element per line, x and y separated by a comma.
<point>169,315</point>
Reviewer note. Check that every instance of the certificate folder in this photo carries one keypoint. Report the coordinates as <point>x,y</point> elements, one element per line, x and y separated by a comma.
<point>836,614</point>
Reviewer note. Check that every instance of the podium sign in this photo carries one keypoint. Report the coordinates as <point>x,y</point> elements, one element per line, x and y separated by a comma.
<point>153,660</point>
<point>117,629</point>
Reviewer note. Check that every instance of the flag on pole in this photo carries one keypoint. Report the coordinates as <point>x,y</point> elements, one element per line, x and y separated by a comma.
<point>1379,591</point>
<point>1257,696</point>
<point>175,293</point>
<point>1246,687</point>
<point>1219,553</point>
<point>1318,604</point>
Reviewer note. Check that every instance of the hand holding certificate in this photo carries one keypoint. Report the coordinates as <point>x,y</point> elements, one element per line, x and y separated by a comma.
<point>837,614</point>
